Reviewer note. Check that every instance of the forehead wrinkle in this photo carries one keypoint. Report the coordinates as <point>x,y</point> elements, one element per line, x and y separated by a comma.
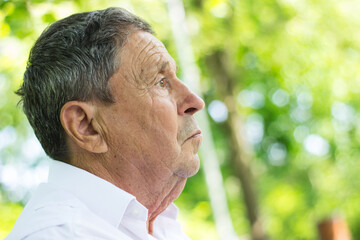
<point>149,48</point>
<point>145,48</point>
<point>147,52</point>
<point>155,63</point>
<point>138,62</point>
<point>149,65</point>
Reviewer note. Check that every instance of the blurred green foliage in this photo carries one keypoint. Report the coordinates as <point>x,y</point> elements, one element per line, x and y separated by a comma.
<point>295,65</point>
<point>9,212</point>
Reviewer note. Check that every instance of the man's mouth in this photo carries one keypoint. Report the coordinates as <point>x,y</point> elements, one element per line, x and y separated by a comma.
<point>195,134</point>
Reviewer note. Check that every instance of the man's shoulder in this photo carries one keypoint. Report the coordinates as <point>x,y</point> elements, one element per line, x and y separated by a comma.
<point>48,208</point>
<point>59,214</point>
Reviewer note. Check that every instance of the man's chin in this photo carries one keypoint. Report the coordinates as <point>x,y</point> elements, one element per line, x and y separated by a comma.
<point>196,160</point>
<point>190,167</point>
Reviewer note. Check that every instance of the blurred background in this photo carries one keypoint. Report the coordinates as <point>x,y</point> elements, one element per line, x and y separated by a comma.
<point>281,81</point>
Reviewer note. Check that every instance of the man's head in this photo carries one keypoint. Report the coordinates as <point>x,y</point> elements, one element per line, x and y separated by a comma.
<point>73,60</point>
<point>111,92</point>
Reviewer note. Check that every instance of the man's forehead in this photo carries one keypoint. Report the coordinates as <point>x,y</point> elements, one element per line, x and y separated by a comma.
<point>142,46</point>
<point>148,49</point>
<point>144,56</point>
<point>141,39</point>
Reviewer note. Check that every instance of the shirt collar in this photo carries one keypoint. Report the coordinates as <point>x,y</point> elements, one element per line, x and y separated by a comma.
<point>107,200</point>
<point>100,196</point>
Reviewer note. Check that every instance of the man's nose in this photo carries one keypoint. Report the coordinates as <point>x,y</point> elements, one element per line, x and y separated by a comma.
<point>190,103</point>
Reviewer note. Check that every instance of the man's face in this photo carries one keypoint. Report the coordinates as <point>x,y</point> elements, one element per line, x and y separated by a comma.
<point>151,124</point>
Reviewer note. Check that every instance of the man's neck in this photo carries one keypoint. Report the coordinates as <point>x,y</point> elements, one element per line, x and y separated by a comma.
<point>153,190</point>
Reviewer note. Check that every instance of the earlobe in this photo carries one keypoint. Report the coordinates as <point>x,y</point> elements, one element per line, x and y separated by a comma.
<point>78,120</point>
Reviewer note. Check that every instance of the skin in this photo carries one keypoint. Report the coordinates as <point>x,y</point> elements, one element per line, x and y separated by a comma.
<point>146,143</point>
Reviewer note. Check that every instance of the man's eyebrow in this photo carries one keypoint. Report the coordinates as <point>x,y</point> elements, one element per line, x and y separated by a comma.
<point>166,65</point>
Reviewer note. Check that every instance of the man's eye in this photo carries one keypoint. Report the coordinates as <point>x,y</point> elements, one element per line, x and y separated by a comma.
<point>162,83</point>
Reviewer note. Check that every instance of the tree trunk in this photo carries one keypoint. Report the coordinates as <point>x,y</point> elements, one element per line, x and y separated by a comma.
<point>241,152</point>
<point>333,229</point>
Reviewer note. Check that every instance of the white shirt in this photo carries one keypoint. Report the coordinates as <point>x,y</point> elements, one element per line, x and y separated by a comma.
<point>75,204</point>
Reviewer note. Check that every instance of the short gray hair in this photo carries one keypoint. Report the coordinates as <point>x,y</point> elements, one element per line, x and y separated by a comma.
<point>73,59</point>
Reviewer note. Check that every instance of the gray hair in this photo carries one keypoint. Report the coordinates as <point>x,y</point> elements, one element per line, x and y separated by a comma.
<point>73,59</point>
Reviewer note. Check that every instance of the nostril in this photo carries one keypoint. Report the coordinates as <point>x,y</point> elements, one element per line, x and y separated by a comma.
<point>190,110</point>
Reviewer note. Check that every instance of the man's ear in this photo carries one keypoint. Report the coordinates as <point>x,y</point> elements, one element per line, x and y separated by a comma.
<point>77,118</point>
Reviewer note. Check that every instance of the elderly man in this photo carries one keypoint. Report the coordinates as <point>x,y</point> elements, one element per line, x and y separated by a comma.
<point>102,96</point>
